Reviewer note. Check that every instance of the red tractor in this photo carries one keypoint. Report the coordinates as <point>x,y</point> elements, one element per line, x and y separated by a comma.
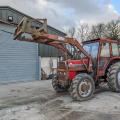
<point>82,68</point>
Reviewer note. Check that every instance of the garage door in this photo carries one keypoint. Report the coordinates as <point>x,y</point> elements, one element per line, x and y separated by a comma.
<point>18,60</point>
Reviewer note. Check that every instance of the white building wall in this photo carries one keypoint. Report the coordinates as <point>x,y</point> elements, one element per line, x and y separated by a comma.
<point>45,64</point>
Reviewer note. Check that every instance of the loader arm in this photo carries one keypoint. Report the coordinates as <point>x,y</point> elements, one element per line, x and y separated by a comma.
<point>40,35</point>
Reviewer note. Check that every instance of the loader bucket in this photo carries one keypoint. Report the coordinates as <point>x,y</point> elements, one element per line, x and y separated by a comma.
<point>23,27</point>
<point>27,26</point>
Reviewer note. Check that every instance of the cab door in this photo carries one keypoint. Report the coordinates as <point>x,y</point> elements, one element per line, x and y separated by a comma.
<point>104,57</point>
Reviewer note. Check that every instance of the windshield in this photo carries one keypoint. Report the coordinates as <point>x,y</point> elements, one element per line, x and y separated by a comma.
<point>74,51</point>
<point>92,49</point>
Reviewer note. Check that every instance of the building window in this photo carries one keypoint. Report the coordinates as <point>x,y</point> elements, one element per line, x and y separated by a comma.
<point>115,50</point>
<point>10,18</point>
<point>105,51</point>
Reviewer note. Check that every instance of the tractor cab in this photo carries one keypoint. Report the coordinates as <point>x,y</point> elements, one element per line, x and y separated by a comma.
<point>103,52</point>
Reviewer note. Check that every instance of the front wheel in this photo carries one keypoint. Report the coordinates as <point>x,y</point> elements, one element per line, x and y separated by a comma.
<point>82,87</point>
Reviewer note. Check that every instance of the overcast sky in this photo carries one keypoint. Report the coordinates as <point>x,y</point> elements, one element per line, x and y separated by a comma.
<point>64,13</point>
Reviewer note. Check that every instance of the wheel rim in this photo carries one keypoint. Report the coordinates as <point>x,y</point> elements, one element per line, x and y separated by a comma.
<point>85,88</point>
<point>119,78</point>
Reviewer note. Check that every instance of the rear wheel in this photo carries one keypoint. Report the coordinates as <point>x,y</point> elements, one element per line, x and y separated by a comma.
<point>57,87</point>
<point>113,77</point>
<point>82,87</point>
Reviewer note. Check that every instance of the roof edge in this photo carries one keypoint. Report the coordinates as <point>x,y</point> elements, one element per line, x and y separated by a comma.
<point>9,7</point>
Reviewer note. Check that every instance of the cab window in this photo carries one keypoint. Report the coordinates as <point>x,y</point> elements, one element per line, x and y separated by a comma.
<point>115,50</point>
<point>105,51</point>
<point>92,49</point>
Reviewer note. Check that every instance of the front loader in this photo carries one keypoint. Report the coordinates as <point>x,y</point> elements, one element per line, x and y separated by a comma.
<point>83,67</point>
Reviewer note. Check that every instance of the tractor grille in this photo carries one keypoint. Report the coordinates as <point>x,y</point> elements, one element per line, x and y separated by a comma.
<point>61,75</point>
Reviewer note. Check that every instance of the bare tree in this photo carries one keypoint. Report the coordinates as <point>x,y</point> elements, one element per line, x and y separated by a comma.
<point>113,29</point>
<point>83,32</point>
<point>98,31</point>
<point>71,31</point>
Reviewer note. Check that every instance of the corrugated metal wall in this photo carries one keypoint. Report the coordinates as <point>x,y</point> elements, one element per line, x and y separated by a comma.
<point>18,60</point>
<point>48,51</point>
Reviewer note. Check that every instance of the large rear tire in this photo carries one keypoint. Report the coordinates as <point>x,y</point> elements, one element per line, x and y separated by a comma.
<point>57,87</point>
<point>82,87</point>
<point>113,77</point>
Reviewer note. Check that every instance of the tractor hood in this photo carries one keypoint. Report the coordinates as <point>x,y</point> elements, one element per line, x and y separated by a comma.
<point>75,66</point>
<point>78,65</point>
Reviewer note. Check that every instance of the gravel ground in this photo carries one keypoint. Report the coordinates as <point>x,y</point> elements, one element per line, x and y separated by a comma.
<point>38,101</point>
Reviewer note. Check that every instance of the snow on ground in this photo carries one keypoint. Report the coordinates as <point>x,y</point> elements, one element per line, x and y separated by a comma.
<point>38,101</point>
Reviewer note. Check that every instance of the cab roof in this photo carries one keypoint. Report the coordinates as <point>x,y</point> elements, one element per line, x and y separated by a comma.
<point>100,40</point>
